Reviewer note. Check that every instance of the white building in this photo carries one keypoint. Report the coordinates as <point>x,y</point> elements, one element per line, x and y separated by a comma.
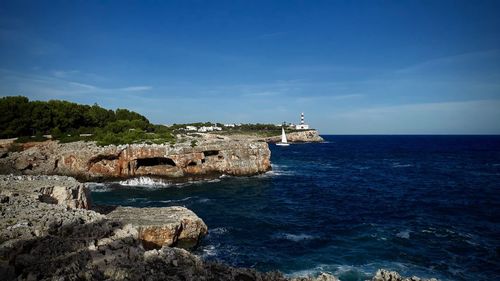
<point>302,125</point>
<point>209,129</point>
<point>191,128</point>
<point>229,125</point>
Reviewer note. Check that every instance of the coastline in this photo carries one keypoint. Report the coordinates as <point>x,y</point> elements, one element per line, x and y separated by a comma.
<point>207,158</point>
<point>116,236</point>
<point>200,157</point>
<point>50,231</point>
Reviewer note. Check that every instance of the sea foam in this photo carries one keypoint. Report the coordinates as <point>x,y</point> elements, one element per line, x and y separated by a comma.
<point>145,182</point>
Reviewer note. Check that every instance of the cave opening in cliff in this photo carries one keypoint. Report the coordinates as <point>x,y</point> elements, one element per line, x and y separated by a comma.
<point>98,158</point>
<point>155,161</point>
<point>192,163</point>
<point>210,153</point>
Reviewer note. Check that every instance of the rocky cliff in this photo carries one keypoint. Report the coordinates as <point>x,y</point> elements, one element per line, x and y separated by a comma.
<point>37,203</point>
<point>88,161</point>
<point>299,136</point>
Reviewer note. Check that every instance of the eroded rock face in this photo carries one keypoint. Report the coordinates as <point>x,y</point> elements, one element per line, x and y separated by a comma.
<point>158,227</point>
<point>90,161</point>
<point>59,190</point>
<point>300,136</point>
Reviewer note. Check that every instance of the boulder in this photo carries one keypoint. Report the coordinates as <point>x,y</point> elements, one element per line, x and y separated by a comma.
<point>59,190</point>
<point>166,226</point>
<point>386,275</point>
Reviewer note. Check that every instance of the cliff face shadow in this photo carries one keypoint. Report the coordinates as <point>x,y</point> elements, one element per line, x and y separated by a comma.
<point>64,251</point>
<point>104,209</point>
<point>102,250</point>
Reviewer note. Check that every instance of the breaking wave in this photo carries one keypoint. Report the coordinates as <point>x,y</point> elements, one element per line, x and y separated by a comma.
<point>97,187</point>
<point>145,182</point>
<point>294,237</point>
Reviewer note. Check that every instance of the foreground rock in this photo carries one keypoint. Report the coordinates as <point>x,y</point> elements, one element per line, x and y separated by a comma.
<point>88,161</point>
<point>49,189</point>
<point>299,136</point>
<point>49,239</point>
<point>385,275</point>
<point>157,227</point>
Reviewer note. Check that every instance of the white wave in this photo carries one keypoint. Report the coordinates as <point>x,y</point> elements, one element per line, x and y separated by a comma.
<point>209,251</point>
<point>133,200</point>
<point>145,182</point>
<point>363,272</point>
<point>278,166</point>
<point>405,234</point>
<point>310,272</point>
<point>218,230</point>
<point>176,200</point>
<point>198,181</point>
<point>279,170</point>
<point>398,165</point>
<point>361,167</point>
<point>97,187</point>
<point>204,200</point>
<point>294,237</point>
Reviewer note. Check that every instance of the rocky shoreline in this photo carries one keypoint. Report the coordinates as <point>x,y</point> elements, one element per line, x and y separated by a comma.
<point>87,161</point>
<point>304,136</point>
<point>49,231</point>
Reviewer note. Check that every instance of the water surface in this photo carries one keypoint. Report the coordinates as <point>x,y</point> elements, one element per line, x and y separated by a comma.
<point>421,205</point>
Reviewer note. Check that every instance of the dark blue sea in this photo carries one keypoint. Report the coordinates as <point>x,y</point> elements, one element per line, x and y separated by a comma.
<point>421,205</point>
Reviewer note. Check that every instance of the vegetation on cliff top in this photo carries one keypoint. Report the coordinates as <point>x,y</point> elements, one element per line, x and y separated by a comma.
<point>258,130</point>
<point>67,121</point>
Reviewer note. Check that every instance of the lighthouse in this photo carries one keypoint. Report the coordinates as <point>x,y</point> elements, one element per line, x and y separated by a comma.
<point>303,125</point>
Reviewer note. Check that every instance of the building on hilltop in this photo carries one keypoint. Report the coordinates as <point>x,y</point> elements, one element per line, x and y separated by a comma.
<point>209,129</point>
<point>302,125</point>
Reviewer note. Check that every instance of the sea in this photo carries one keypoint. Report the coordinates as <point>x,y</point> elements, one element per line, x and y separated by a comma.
<point>421,205</point>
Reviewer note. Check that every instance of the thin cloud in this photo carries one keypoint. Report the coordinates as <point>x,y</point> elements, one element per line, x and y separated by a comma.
<point>263,94</point>
<point>465,58</point>
<point>64,73</point>
<point>135,89</point>
<point>454,117</point>
<point>53,87</point>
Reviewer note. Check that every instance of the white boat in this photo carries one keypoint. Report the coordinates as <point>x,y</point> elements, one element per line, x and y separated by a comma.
<point>283,142</point>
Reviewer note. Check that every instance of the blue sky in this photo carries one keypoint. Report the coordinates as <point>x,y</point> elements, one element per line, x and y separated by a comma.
<point>353,67</point>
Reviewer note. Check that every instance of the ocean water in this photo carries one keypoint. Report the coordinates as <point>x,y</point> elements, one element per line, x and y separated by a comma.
<point>422,205</point>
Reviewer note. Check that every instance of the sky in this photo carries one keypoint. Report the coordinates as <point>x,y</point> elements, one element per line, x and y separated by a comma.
<point>353,67</point>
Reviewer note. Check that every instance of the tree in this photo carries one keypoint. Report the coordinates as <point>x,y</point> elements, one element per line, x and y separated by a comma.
<point>125,114</point>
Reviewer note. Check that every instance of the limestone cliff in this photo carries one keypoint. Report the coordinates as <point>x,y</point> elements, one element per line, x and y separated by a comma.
<point>299,136</point>
<point>89,161</point>
<point>33,197</point>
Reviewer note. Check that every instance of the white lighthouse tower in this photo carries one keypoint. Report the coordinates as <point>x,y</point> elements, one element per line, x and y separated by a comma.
<point>302,125</point>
